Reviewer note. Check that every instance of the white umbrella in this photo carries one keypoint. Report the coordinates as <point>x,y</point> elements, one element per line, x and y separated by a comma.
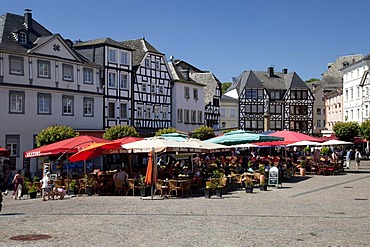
<point>334,142</point>
<point>304,143</point>
<point>161,145</point>
<point>245,145</point>
<point>208,146</point>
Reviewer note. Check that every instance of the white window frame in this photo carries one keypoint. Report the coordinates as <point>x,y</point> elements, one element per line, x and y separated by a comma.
<point>67,105</point>
<point>67,70</point>
<point>44,104</point>
<point>153,88</point>
<point>16,65</point>
<point>232,113</point>
<point>16,102</point>
<point>186,116</point>
<point>139,112</point>
<point>112,55</point>
<point>195,93</point>
<point>43,69</point>
<point>186,92</point>
<point>160,89</point>
<point>193,116</point>
<point>164,112</point>
<point>157,109</point>
<point>148,112</point>
<point>112,79</point>
<point>124,57</point>
<point>111,111</point>
<point>12,143</point>
<point>88,76</point>
<point>143,87</point>
<point>179,115</point>
<point>22,38</point>
<point>124,81</point>
<point>147,62</point>
<point>124,111</point>
<point>157,64</point>
<point>88,105</point>
<point>200,117</point>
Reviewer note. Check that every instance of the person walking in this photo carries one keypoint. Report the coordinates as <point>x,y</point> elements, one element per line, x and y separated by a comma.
<point>18,185</point>
<point>357,158</point>
<point>45,186</point>
<point>348,158</point>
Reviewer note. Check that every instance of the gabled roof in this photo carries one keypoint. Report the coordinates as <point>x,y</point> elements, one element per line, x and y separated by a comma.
<point>102,41</point>
<point>11,23</point>
<point>140,47</point>
<point>226,98</point>
<point>178,75</point>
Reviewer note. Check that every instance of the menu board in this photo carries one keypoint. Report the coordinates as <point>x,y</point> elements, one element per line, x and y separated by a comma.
<point>273,176</point>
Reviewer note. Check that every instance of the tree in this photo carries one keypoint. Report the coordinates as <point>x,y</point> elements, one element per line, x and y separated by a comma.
<point>346,131</point>
<point>165,131</point>
<point>54,134</point>
<point>365,129</point>
<point>120,131</point>
<point>312,80</point>
<point>203,133</point>
<point>225,86</point>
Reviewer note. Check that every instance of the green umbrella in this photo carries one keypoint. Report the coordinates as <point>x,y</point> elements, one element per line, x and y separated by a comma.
<point>241,137</point>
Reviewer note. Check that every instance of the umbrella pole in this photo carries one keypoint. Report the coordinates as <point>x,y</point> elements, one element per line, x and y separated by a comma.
<point>153,174</point>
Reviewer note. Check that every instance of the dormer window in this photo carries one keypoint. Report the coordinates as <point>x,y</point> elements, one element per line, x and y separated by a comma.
<point>22,38</point>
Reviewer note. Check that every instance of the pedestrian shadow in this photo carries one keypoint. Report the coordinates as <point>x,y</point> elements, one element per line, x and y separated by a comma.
<point>359,171</point>
<point>11,214</point>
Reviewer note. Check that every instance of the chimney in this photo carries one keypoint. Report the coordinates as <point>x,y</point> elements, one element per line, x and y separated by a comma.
<point>270,71</point>
<point>285,71</point>
<point>28,19</point>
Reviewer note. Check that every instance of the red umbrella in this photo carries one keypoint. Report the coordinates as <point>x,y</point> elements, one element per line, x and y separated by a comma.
<point>97,149</point>
<point>72,145</point>
<point>151,171</point>
<point>4,152</point>
<point>292,136</point>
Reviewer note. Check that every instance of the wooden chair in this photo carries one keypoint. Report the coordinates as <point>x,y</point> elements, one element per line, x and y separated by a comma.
<point>160,187</point>
<point>173,187</point>
<point>118,187</point>
<point>131,186</point>
<point>82,185</point>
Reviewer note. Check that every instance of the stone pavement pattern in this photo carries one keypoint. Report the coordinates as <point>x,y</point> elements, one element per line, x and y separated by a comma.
<point>317,211</point>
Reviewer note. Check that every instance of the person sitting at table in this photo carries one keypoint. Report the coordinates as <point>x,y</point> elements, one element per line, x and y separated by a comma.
<point>121,175</point>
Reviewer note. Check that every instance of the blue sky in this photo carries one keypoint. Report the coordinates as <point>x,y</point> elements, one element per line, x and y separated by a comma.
<point>225,37</point>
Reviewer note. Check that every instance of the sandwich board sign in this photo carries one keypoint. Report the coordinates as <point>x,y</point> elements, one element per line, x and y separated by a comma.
<point>274,177</point>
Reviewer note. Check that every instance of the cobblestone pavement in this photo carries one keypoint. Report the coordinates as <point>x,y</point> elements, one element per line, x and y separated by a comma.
<point>310,211</point>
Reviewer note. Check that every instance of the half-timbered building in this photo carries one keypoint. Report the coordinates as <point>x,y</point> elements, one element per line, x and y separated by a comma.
<point>116,60</point>
<point>212,93</point>
<point>188,105</point>
<point>151,91</point>
<point>273,101</point>
<point>43,82</point>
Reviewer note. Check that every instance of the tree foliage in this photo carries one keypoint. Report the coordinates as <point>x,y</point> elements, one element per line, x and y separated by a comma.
<point>54,134</point>
<point>312,80</point>
<point>120,131</point>
<point>346,131</point>
<point>225,86</point>
<point>203,133</point>
<point>365,129</point>
<point>165,131</point>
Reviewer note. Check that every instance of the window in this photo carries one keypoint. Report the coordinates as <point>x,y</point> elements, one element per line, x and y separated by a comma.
<point>123,111</point>
<point>88,107</point>
<point>12,144</point>
<point>200,117</point>
<point>143,87</point>
<point>88,76</point>
<point>232,112</point>
<point>16,102</point>
<point>139,111</point>
<point>160,89</point>
<point>164,112</point>
<point>43,103</point>
<point>148,111</point>
<point>124,57</point>
<point>222,112</point>
<point>318,123</point>
<point>112,80</point>
<point>193,116</point>
<point>179,115</point>
<point>195,93</point>
<point>351,93</point>
<point>22,38</point>
<point>156,111</point>
<point>152,89</point>
<point>187,116</point>
<point>67,72</point>
<point>367,91</point>
<point>254,94</point>
<point>43,69</point>
<point>187,92</point>
<point>358,92</point>
<point>318,111</point>
<point>351,114</point>
<point>112,56</point>
<point>147,62</point>
<point>111,110</point>
<point>366,111</point>
<point>67,102</point>
<point>16,65</point>
<point>157,64</point>
<point>124,81</point>
<point>346,94</point>
<point>358,113</point>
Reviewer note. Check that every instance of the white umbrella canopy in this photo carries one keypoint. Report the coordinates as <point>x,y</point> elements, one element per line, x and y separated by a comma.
<point>245,145</point>
<point>304,143</point>
<point>161,145</point>
<point>209,146</point>
<point>334,142</point>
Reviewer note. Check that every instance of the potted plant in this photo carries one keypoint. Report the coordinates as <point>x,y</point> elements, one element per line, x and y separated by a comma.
<point>208,190</point>
<point>72,186</point>
<point>248,185</point>
<point>32,190</point>
<point>217,182</point>
<point>302,168</point>
<point>142,186</point>
<point>263,184</point>
<point>90,183</point>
